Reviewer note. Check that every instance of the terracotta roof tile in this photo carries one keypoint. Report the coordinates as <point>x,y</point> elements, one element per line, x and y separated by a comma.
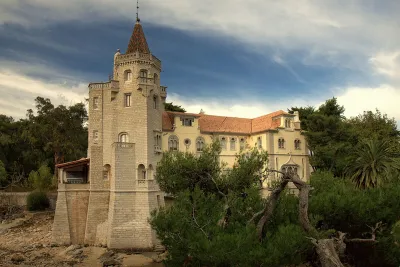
<point>222,124</point>
<point>138,41</point>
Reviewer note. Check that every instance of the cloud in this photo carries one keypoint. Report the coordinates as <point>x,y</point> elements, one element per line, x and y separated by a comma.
<point>387,64</point>
<point>19,89</point>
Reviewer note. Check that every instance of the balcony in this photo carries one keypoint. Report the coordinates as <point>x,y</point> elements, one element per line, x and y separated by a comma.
<point>157,149</point>
<point>146,184</point>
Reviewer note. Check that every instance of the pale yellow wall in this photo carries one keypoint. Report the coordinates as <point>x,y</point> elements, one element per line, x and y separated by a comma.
<point>277,156</point>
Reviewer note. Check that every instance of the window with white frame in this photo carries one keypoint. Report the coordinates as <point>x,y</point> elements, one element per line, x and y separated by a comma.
<point>259,142</point>
<point>287,123</point>
<point>281,143</point>
<point>223,143</point>
<point>242,143</point>
<point>200,144</point>
<point>123,138</point>
<point>173,143</point>
<point>187,121</point>
<point>127,99</point>
<point>95,103</point>
<point>233,143</point>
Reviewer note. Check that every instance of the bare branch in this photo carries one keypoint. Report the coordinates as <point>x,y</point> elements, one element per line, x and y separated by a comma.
<point>197,224</point>
<point>377,226</point>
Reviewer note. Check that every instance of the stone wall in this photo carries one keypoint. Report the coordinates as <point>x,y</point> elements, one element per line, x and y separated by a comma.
<point>19,198</point>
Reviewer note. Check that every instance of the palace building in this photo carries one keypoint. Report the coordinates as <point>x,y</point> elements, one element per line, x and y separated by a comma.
<point>106,198</point>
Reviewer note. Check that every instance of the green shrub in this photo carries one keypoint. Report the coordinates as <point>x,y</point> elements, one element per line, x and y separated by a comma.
<point>42,179</point>
<point>37,201</point>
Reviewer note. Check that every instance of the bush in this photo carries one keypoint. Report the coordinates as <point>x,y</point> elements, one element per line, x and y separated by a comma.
<point>37,201</point>
<point>42,179</point>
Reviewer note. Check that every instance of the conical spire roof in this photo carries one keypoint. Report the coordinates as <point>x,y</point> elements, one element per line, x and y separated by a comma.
<point>138,40</point>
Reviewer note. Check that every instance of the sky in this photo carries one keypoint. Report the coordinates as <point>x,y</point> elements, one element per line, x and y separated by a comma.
<point>227,57</point>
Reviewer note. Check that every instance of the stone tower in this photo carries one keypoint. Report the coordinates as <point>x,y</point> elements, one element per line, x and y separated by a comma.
<point>110,204</point>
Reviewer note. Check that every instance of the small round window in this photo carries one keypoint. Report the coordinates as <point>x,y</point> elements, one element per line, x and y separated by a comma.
<point>187,142</point>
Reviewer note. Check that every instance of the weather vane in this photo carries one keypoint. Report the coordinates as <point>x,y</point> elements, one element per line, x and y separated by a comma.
<point>137,11</point>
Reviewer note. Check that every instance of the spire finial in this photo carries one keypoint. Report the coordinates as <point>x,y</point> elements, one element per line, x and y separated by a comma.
<point>137,11</point>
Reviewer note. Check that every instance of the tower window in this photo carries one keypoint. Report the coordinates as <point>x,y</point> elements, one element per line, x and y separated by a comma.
<point>128,75</point>
<point>200,144</point>
<point>143,76</point>
<point>155,102</point>
<point>95,103</point>
<point>123,138</point>
<point>155,78</point>
<point>297,144</point>
<point>281,143</point>
<point>141,172</point>
<point>173,143</point>
<point>127,100</point>
<point>95,136</point>
<point>106,172</point>
<point>233,143</point>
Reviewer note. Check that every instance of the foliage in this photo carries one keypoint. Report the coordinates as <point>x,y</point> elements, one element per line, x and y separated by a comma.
<point>41,179</point>
<point>3,174</point>
<point>48,134</point>
<point>343,207</point>
<point>332,138</point>
<point>209,218</point>
<point>171,107</point>
<point>374,163</point>
<point>37,200</point>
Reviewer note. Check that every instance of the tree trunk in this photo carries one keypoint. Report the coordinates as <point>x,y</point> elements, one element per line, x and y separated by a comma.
<point>327,253</point>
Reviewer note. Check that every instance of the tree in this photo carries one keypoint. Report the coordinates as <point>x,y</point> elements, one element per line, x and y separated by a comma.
<point>42,179</point>
<point>3,174</point>
<point>171,107</point>
<point>219,218</point>
<point>373,164</point>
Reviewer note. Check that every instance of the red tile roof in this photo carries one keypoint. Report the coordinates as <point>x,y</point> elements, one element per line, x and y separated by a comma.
<point>82,161</point>
<point>222,124</point>
<point>138,41</point>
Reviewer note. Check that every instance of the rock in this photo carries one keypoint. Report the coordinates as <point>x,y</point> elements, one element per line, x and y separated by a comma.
<point>53,245</point>
<point>17,258</point>
<point>160,257</point>
<point>111,262</point>
<point>76,253</point>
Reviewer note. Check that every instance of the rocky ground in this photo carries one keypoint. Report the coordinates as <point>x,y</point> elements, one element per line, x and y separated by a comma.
<point>26,241</point>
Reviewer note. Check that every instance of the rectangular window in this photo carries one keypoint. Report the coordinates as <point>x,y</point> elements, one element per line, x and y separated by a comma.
<point>233,144</point>
<point>95,102</point>
<point>127,101</point>
<point>242,143</point>
<point>95,136</point>
<point>187,122</point>
<point>129,76</point>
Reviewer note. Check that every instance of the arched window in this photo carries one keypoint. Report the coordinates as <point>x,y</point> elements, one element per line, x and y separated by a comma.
<point>128,75</point>
<point>155,78</point>
<point>123,138</point>
<point>223,143</point>
<point>281,143</point>
<point>155,102</point>
<point>200,144</point>
<point>141,172</point>
<point>173,143</point>
<point>143,76</point>
<point>259,142</point>
<point>290,168</point>
<point>106,172</point>
<point>233,143</point>
<point>242,143</point>
<point>150,172</point>
<point>297,144</point>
